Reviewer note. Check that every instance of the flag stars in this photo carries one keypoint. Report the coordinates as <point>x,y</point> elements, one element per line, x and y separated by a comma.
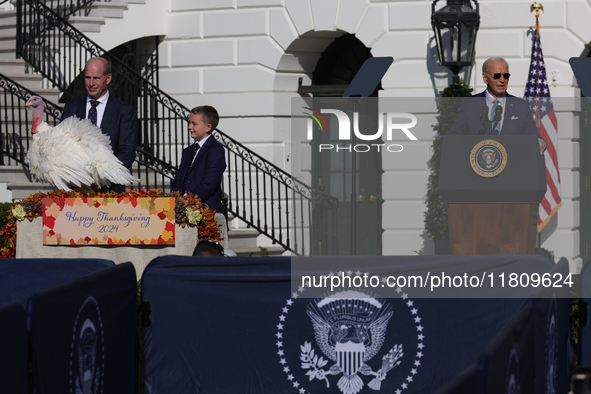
<point>279,335</point>
<point>417,319</point>
<point>290,377</point>
<point>295,295</point>
<point>419,354</point>
<point>302,390</point>
<point>280,352</point>
<point>358,273</point>
<point>409,379</point>
<point>282,318</point>
<point>413,371</point>
<point>419,328</point>
<point>289,302</point>
<point>283,361</point>
<point>279,344</point>
<point>404,386</point>
<point>417,363</point>
<point>414,311</point>
<point>421,337</point>
<point>286,369</point>
<point>409,303</point>
<point>296,384</point>
<point>404,296</point>
<point>280,326</point>
<point>285,309</point>
<point>421,345</point>
<point>398,290</point>
<point>398,391</point>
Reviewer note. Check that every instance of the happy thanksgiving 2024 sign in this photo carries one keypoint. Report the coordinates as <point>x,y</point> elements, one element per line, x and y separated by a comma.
<point>108,221</point>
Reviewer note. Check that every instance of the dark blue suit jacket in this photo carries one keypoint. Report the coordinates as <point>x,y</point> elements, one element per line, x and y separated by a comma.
<point>205,175</point>
<point>119,123</point>
<point>518,118</point>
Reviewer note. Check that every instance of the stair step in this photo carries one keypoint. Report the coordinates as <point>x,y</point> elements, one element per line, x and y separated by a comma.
<point>8,32</point>
<point>7,55</point>
<point>8,45</point>
<point>7,18</point>
<point>87,23</point>
<point>255,250</point>
<point>242,238</point>
<point>12,66</point>
<point>13,174</point>
<point>22,190</point>
<point>104,10</point>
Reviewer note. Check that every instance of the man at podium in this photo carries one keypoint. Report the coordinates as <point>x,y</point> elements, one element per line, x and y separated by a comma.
<point>495,111</point>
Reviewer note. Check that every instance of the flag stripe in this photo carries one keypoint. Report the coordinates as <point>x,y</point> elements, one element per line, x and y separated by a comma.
<point>538,94</point>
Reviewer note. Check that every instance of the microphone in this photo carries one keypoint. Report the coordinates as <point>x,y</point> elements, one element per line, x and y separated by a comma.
<point>498,115</point>
<point>484,120</point>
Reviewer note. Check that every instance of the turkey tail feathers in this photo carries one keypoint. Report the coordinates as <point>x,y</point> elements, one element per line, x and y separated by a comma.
<point>75,153</point>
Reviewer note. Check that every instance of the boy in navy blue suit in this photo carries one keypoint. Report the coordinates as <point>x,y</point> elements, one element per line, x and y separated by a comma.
<point>202,163</point>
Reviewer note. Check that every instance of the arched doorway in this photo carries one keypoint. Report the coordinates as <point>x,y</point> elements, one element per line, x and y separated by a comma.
<point>333,173</point>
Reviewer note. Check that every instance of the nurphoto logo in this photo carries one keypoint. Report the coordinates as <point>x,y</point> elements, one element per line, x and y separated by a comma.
<point>394,122</point>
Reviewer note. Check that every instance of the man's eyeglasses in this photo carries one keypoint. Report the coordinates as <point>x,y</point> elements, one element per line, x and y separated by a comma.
<point>498,75</point>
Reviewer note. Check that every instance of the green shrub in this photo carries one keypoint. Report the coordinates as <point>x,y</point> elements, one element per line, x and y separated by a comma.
<point>436,214</point>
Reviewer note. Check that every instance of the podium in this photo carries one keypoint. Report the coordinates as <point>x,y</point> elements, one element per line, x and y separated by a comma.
<point>492,186</point>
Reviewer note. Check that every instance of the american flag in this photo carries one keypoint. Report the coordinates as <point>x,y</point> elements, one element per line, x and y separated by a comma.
<point>538,95</point>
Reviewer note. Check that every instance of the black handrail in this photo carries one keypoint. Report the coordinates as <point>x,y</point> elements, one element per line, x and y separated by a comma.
<point>268,210</point>
<point>59,52</point>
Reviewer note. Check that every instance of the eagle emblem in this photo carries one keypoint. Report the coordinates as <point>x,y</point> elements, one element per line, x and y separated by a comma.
<point>489,157</point>
<point>350,329</point>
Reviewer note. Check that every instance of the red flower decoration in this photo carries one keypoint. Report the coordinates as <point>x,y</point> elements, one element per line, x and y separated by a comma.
<point>207,229</point>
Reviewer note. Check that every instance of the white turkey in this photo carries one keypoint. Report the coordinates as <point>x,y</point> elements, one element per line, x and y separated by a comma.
<point>74,153</point>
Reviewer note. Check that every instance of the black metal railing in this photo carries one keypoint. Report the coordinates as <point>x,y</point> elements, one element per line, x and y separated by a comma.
<point>261,194</point>
<point>271,201</point>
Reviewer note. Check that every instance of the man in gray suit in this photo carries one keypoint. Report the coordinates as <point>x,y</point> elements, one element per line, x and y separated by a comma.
<point>116,119</point>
